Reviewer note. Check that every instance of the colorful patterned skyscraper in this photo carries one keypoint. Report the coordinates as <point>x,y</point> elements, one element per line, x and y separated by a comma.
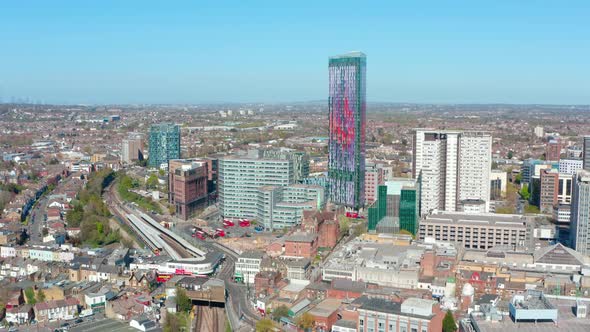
<point>347,111</point>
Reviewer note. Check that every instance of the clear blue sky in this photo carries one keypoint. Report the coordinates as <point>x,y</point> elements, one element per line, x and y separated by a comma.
<point>119,51</point>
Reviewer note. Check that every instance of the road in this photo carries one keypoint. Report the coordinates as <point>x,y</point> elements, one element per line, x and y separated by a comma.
<point>37,220</point>
<point>38,214</point>
<point>237,292</point>
<point>244,316</point>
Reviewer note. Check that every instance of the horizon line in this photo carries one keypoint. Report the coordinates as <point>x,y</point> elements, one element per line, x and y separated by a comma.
<point>294,102</point>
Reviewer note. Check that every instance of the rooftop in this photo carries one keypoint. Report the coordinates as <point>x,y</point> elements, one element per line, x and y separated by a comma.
<point>353,54</point>
<point>326,308</point>
<point>301,237</point>
<point>252,254</point>
<point>567,321</point>
<point>481,219</point>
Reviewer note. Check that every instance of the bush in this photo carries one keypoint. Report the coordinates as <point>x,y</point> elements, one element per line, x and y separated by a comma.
<point>90,212</point>
<point>30,296</point>
<point>449,323</point>
<point>183,302</point>
<point>125,184</point>
<point>264,325</point>
<point>279,312</point>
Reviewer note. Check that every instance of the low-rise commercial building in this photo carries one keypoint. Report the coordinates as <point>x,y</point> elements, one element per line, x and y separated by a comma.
<point>379,263</point>
<point>530,311</point>
<point>301,245</point>
<point>248,265</point>
<point>412,315</point>
<point>481,231</point>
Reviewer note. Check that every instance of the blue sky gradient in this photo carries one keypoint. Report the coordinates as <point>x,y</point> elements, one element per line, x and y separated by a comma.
<point>277,51</point>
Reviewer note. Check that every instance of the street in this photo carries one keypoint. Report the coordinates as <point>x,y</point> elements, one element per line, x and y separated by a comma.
<point>244,317</point>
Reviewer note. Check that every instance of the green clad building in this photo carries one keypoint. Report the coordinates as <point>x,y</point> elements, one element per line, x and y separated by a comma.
<point>377,210</point>
<point>397,207</point>
<point>409,210</point>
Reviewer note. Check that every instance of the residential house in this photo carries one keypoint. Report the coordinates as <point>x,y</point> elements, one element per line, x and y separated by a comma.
<point>56,309</point>
<point>20,315</point>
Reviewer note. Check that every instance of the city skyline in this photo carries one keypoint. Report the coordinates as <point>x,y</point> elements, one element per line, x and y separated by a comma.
<point>421,53</point>
<point>217,166</point>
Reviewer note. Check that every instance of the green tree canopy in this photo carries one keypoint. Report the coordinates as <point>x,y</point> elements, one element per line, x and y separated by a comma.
<point>279,312</point>
<point>183,302</point>
<point>152,181</point>
<point>264,325</point>
<point>449,323</point>
<point>305,321</point>
<point>176,322</point>
<point>524,192</point>
<point>41,296</point>
<point>30,296</point>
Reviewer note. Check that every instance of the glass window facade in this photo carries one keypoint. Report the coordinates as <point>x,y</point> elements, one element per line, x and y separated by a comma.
<point>347,117</point>
<point>164,144</point>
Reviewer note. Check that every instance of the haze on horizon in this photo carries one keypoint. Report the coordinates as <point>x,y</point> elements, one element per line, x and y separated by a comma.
<point>115,52</point>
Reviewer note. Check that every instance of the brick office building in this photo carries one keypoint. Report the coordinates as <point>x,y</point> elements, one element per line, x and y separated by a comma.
<point>301,245</point>
<point>324,224</point>
<point>187,181</point>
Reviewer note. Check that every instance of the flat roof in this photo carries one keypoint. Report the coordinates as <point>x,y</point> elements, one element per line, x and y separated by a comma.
<point>252,254</point>
<point>326,307</point>
<point>301,237</point>
<point>481,219</point>
<point>566,322</point>
<point>353,54</point>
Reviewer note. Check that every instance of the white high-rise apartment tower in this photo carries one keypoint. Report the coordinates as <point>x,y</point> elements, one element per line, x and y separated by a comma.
<point>475,163</point>
<point>580,215</point>
<point>455,167</point>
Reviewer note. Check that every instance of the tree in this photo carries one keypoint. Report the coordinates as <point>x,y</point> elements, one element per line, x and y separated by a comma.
<point>75,216</point>
<point>305,321</point>
<point>40,296</point>
<point>344,226</point>
<point>279,312</point>
<point>264,325</point>
<point>510,154</point>
<point>176,322</point>
<point>152,181</point>
<point>518,178</point>
<point>524,192</point>
<point>30,296</point>
<point>449,323</point>
<point>183,302</point>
